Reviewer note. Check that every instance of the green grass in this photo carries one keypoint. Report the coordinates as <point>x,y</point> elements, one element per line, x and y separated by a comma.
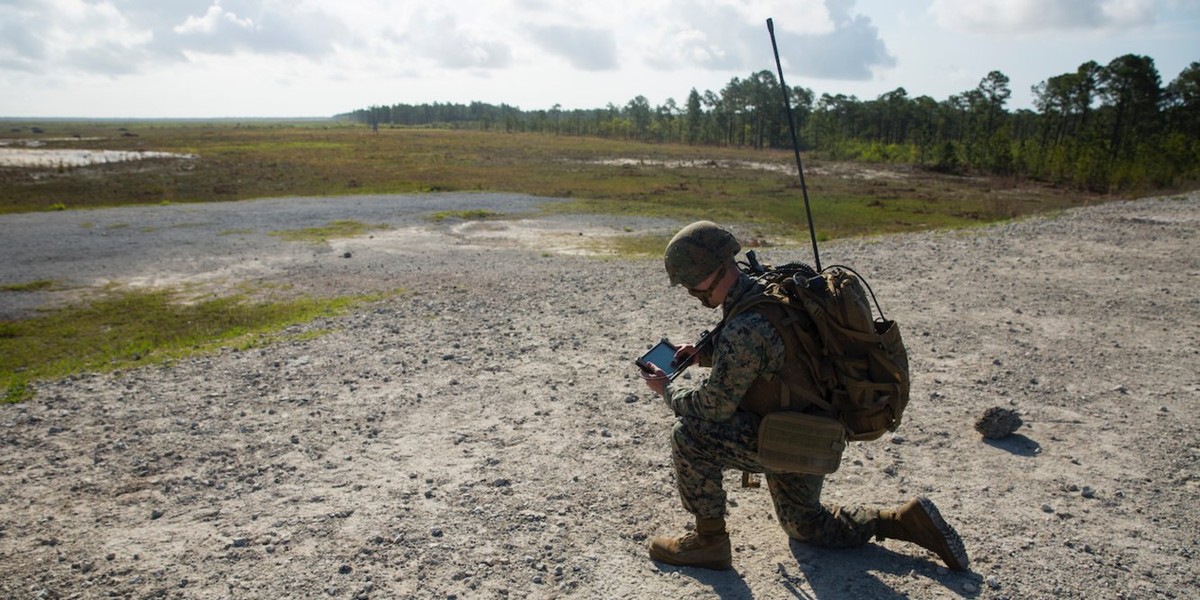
<point>477,214</point>
<point>335,229</point>
<point>638,245</point>
<point>31,286</point>
<point>136,328</point>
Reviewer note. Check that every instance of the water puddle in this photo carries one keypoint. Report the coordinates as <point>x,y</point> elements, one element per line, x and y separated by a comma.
<point>30,154</point>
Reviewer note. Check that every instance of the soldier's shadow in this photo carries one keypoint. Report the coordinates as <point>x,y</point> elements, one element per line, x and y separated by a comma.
<point>853,573</point>
<point>836,573</point>
<point>728,585</point>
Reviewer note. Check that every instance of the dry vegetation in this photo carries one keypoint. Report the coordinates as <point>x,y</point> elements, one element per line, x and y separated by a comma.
<point>240,161</point>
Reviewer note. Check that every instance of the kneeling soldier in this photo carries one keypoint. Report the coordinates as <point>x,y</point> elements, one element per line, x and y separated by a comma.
<point>718,423</point>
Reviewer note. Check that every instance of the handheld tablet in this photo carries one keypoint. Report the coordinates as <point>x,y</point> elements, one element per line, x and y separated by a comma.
<point>662,355</point>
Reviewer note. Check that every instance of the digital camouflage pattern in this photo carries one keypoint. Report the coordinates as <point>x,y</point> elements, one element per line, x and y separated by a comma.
<point>746,347</point>
<point>698,250</point>
<point>711,436</point>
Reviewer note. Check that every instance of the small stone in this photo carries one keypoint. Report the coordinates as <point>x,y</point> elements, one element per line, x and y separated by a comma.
<point>1087,492</point>
<point>970,588</point>
<point>156,514</point>
<point>347,255</point>
<point>345,569</point>
<point>998,423</point>
<point>1046,508</point>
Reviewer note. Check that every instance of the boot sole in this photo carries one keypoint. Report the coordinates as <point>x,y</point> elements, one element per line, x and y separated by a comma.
<point>953,553</point>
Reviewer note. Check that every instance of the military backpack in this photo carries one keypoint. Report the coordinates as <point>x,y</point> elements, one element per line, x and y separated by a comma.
<point>841,361</point>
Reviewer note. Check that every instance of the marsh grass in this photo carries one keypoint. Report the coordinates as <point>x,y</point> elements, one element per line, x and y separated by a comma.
<point>29,286</point>
<point>335,229</point>
<point>257,160</point>
<point>637,245</point>
<point>476,214</point>
<point>136,328</point>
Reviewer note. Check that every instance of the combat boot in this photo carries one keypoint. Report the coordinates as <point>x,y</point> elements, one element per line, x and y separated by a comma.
<point>920,522</point>
<point>706,547</point>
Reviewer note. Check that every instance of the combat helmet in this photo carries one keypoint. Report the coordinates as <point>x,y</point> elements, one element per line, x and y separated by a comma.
<point>698,250</point>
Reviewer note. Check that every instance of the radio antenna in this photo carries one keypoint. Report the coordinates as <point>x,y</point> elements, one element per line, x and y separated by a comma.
<point>787,105</point>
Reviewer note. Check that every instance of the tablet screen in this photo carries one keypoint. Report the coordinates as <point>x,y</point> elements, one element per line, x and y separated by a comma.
<point>661,355</point>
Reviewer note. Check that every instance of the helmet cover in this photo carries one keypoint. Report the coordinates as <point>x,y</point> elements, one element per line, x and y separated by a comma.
<point>698,250</point>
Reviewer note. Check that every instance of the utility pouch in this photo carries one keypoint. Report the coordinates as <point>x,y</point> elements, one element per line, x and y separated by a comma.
<point>795,442</point>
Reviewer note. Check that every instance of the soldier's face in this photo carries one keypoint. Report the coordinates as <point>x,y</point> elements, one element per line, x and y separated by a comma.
<point>705,291</point>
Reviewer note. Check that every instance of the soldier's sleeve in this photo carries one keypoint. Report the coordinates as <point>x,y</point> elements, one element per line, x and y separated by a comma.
<point>748,347</point>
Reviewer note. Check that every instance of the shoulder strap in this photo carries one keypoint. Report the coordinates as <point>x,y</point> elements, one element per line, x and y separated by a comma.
<point>798,332</point>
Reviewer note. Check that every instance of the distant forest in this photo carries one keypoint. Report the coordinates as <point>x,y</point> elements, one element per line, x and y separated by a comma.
<point>1108,128</point>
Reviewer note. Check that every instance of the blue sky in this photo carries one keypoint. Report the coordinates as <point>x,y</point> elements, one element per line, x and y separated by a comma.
<point>300,58</point>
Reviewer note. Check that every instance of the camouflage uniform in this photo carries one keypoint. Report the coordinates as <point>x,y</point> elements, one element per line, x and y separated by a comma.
<point>712,435</point>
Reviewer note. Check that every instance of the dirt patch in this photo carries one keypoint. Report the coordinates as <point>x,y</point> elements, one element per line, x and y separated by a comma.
<point>485,434</point>
<point>833,169</point>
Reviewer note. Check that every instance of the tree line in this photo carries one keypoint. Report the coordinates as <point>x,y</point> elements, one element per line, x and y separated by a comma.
<point>1105,128</point>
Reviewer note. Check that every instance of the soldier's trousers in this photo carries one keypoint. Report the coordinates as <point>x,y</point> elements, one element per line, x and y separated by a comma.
<point>702,450</point>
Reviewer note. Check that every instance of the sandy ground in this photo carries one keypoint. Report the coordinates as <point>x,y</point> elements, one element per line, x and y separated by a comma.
<point>484,434</point>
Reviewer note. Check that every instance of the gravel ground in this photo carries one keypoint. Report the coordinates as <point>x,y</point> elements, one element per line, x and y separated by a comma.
<point>485,435</point>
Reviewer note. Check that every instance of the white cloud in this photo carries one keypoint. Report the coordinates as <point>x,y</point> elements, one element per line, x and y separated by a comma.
<point>1005,17</point>
<point>212,21</point>
<point>851,51</point>
<point>584,47</point>
<point>252,26</point>
<point>132,35</point>
<point>442,39</point>
<point>94,36</point>
<point>304,57</point>
<point>816,38</point>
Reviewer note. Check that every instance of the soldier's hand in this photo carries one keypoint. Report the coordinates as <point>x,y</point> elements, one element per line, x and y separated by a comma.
<point>684,355</point>
<point>655,379</point>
